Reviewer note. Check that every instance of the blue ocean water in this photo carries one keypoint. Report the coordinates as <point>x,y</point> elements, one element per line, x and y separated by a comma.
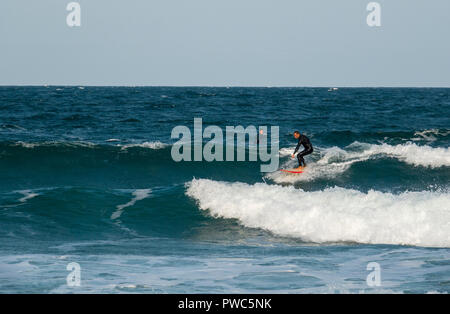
<point>86,176</point>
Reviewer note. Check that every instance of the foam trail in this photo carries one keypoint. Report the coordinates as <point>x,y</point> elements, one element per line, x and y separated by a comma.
<point>138,196</point>
<point>331,215</point>
<point>27,194</point>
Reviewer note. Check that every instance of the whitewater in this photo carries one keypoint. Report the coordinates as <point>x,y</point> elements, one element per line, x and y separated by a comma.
<point>332,161</point>
<point>331,215</point>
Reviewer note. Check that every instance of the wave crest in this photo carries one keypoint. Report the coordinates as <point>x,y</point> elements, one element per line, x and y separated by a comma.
<point>149,145</point>
<point>334,160</point>
<point>331,215</point>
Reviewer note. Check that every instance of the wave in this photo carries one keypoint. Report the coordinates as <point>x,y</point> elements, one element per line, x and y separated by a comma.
<point>345,137</point>
<point>49,144</point>
<point>138,196</point>
<point>12,127</point>
<point>333,161</point>
<point>431,135</point>
<point>27,165</point>
<point>331,215</point>
<point>410,153</point>
<point>150,145</point>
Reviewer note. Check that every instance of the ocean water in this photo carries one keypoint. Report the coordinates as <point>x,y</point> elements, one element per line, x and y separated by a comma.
<point>86,176</point>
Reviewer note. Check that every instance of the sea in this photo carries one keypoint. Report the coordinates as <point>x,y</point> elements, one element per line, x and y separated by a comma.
<point>92,200</point>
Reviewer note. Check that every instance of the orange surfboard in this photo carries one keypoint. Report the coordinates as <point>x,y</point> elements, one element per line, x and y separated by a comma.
<point>291,170</point>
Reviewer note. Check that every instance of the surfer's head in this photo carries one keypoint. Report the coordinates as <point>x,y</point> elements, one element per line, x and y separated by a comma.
<point>296,134</point>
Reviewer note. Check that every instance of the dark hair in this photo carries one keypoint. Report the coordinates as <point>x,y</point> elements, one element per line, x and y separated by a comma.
<point>297,132</point>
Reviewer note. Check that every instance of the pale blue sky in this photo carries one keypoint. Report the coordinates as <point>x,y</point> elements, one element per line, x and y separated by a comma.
<point>225,43</point>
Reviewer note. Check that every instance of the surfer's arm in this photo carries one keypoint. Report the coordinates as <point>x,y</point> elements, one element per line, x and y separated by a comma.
<point>297,148</point>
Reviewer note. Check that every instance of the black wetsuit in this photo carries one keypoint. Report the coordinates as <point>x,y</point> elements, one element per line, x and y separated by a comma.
<point>303,140</point>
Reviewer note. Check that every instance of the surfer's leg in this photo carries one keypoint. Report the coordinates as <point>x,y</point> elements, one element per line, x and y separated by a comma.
<point>301,161</point>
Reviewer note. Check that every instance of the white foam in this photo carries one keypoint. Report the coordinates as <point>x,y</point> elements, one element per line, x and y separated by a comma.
<point>429,135</point>
<point>331,215</point>
<point>27,194</point>
<point>26,144</point>
<point>334,161</point>
<point>150,145</point>
<point>410,153</point>
<point>138,196</point>
<point>54,143</point>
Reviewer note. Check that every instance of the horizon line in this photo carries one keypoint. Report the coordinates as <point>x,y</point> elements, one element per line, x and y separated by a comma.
<point>217,86</point>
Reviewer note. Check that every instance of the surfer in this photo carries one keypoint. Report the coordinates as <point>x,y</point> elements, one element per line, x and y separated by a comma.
<point>302,140</point>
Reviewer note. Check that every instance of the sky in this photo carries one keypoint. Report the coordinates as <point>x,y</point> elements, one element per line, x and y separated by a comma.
<point>225,43</point>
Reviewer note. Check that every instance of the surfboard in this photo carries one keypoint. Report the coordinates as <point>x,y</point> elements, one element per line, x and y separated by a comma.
<point>291,170</point>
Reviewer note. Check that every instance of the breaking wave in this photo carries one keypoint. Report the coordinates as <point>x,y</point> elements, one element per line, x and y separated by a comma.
<point>333,161</point>
<point>331,215</point>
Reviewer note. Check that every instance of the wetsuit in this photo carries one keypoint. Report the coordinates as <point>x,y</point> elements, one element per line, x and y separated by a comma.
<point>303,140</point>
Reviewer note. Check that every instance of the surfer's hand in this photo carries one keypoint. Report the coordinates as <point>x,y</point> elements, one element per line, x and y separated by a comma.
<point>293,155</point>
